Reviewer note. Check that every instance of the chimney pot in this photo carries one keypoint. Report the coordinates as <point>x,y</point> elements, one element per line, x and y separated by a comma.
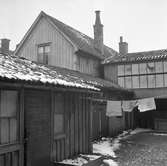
<point>98,33</point>
<point>4,46</point>
<point>123,47</point>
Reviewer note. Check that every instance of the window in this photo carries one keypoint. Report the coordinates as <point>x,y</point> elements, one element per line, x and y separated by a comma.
<point>143,81</point>
<point>128,82</point>
<point>159,67</point>
<point>121,81</point>
<point>8,116</point>
<point>159,80</point>
<point>165,66</point>
<point>150,67</point>
<point>151,81</point>
<point>165,79</point>
<point>135,69</point>
<point>128,69</point>
<point>135,81</point>
<point>43,53</point>
<point>120,70</point>
<point>142,68</point>
<point>59,114</point>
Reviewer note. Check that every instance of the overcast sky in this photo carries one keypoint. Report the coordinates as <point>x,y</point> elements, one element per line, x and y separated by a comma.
<point>142,23</point>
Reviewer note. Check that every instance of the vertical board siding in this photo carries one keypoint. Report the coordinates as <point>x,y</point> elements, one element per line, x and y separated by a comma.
<point>77,132</point>
<point>110,72</point>
<point>38,127</point>
<point>62,51</point>
<point>89,65</point>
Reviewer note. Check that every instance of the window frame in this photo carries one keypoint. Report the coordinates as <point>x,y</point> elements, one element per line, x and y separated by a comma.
<point>16,117</point>
<point>44,55</point>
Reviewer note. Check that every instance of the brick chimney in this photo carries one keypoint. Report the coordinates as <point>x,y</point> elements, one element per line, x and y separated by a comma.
<point>4,46</point>
<point>123,47</point>
<point>98,33</point>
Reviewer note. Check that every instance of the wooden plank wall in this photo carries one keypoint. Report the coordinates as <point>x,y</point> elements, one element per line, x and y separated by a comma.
<point>77,127</point>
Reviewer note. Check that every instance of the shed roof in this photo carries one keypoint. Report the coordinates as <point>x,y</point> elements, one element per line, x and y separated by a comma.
<point>17,68</point>
<point>138,56</point>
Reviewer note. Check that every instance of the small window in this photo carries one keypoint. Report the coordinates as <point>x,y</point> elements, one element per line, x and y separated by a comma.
<point>142,68</point>
<point>150,67</point>
<point>120,70</point>
<point>8,116</point>
<point>43,53</point>
<point>128,69</point>
<point>143,81</point>
<point>135,81</point>
<point>128,82</point>
<point>135,69</point>
<point>159,67</point>
<point>151,81</point>
<point>159,80</point>
<point>165,66</point>
<point>59,114</point>
<point>121,81</point>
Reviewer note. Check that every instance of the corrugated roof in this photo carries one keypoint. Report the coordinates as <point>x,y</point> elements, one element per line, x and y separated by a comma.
<point>12,67</point>
<point>83,42</point>
<point>138,56</point>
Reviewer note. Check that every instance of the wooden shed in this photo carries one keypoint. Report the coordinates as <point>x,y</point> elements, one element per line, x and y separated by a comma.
<point>45,112</point>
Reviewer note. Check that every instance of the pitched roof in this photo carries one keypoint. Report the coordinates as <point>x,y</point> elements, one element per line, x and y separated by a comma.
<point>17,68</point>
<point>81,41</point>
<point>138,56</point>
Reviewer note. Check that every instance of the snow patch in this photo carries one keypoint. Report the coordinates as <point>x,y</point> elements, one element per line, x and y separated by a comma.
<point>110,162</point>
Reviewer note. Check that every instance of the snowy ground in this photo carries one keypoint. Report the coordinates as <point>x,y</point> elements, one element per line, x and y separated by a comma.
<point>105,147</point>
<point>144,149</point>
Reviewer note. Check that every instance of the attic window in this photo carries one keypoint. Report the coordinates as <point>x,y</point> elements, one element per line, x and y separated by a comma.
<point>43,53</point>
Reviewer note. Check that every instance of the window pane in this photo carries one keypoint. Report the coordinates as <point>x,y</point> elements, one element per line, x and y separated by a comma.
<point>159,80</point>
<point>159,67</point>
<point>120,70</point>
<point>143,82</point>
<point>13,130</point>
<point>58,123</point>
<point>150,67</point>
<point>142,68</point>
<point>151,81</point>
<point>128,69</point>
<point>59,103</point>
<point>4,127</point>
<point>135,69</point>
<point>8,103</point>
<point>128,82</point>
<point>121,81</point>
<point>47,49</point>
<point>165,66</point>
<point>135,81</point>
<point>40,50</point>
<point>165,79</point>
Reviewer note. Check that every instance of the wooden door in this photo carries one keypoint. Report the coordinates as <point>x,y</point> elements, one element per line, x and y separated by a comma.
<point>38,128</point>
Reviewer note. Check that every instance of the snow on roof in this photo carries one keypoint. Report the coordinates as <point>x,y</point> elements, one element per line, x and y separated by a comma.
<point>12,67</point>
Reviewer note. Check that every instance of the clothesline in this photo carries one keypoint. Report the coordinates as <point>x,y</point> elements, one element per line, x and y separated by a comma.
<point>115,108</point>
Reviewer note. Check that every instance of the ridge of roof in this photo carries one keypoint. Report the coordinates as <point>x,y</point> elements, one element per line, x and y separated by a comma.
<point>138,56</point>
<point>83,41</point>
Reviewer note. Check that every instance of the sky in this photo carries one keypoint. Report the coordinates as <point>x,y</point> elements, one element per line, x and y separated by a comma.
<point>142,23</point>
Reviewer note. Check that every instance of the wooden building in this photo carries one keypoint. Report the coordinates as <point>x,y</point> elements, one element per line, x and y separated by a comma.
<point>50,41</point>
<point>146,74</point>
<point>45,111</point>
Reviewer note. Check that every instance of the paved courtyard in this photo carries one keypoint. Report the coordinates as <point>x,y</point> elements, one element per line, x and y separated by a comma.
<point>143,149</point>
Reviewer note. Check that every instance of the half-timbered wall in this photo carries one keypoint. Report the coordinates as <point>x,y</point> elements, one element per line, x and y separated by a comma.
<point>143,75</point>
<point>62,51</point>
